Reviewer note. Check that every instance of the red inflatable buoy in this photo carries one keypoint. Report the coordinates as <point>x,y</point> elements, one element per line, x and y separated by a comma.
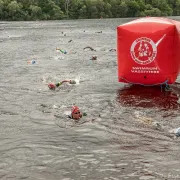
<point>148,51</point>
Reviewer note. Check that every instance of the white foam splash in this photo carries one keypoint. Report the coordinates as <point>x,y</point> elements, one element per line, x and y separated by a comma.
<point>175,131</point>
<point>77,80</point>
<point>67,113</point>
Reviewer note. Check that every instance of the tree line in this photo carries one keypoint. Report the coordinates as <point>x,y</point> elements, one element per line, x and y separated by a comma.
<point>85,9</point>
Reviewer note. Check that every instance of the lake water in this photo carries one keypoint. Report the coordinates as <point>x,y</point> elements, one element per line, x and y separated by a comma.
<point>125,134</point>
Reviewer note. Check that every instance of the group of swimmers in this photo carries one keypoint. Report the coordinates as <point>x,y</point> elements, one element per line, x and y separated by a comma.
<point>75,112</point>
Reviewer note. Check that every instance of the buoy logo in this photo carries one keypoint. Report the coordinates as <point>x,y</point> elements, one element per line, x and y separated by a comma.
<point>143,51</point>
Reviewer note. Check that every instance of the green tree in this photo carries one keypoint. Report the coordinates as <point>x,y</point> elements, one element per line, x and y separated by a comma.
<point>74,9</point>
<point>133,8</point>
<point>152,12</point>
<point>107,11</point>
<point>1,9</point>
<point>177,8</point>
<point>141,4</point>
<point>92,11</point>
<point>15,10</point>
<point>50,10</point>
<point>100,8</point>
<point>35,12</point>
<point>115,9</point>
<point>83,12</point>
<point>163,6</point>
<point>123,9</point>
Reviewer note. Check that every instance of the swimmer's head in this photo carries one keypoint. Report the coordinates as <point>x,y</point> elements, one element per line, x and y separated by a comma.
<point>75,113</point>
<point>51,86</point>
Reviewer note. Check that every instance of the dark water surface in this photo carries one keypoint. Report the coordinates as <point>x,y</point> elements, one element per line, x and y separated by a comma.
<point>118,139</point>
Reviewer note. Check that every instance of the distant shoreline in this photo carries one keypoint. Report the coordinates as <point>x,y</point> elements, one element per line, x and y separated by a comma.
<point>126,18</point>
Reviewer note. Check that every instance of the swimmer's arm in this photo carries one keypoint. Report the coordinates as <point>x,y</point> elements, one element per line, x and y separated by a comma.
<point>59,83</point>
<point>66,81</point>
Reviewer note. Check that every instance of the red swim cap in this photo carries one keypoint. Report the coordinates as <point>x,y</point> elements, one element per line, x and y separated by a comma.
<point>74,109</point>
<point>51,86</point>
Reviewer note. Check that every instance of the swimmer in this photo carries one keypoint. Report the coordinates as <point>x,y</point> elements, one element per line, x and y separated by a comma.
<point>75,113</point>
<point>53,86</point>
<point>64,52</point>
<point>94,58</point>
<point>112,50</point>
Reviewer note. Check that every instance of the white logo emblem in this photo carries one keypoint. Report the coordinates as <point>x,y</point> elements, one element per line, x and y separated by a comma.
<point>144,50</point>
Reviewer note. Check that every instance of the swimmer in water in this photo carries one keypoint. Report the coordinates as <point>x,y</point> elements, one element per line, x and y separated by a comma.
<point>75,113</point>
<point>53,86</point>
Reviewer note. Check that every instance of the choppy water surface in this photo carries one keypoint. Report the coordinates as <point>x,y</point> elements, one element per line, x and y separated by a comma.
<point>125,134</point>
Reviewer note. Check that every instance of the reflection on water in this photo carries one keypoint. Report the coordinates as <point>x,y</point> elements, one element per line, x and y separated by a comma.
<point>148,97</point>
